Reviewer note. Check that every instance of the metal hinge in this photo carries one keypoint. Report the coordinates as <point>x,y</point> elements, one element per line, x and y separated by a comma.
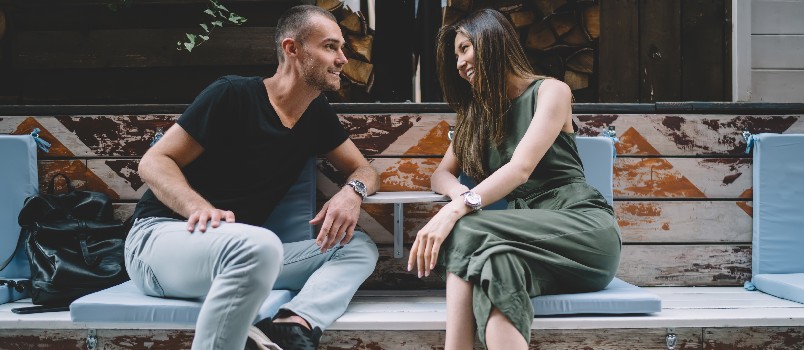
<point>670,339</point>
<point>92,340</point>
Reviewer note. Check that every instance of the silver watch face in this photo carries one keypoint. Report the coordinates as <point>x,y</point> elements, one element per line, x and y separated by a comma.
<point>359,187</point>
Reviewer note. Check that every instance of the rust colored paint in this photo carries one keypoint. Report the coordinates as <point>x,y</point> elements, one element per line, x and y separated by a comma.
<point>128,136</point>
<point>747,207</point>
<point>435,142</point>
<point>631,142</point>
<point>408,175</point>
<point>652,177</point>
<point>642,209</point>
<point>57,149</point>
<point>666,226</point>
<point>645,213</point>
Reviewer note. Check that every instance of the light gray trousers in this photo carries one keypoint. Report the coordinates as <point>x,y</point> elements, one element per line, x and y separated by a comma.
<point>235,266</point>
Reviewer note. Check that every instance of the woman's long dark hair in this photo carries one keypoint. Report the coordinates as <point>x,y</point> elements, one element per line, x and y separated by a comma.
<point>481,107</point>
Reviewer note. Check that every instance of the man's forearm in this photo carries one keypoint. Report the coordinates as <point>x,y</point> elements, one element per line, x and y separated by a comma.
<point>170,186</point>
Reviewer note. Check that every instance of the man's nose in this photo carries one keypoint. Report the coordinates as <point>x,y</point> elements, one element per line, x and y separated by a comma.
<point>341,59</point>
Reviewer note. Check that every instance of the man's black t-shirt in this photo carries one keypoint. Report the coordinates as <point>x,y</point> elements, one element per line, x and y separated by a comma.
<point>250,159</point>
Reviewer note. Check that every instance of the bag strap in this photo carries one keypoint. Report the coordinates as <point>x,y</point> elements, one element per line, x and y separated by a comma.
<point>82,241</point>
<point>51,183</point>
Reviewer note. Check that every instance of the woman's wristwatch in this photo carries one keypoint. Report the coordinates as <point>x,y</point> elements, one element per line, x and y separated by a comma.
<point>472,200</point>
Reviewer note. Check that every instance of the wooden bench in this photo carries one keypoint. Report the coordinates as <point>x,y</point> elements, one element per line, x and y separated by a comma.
<point>682,196</point>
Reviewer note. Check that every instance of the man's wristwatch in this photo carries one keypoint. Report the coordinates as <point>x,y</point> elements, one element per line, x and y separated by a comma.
<point>359,187</point>
<point>472,200</point>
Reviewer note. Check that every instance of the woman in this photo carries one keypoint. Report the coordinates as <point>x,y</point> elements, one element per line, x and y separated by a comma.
<point>515,137</point>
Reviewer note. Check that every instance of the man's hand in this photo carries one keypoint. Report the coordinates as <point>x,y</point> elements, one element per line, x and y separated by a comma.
<point>213,215</point>
<point>339,217</point>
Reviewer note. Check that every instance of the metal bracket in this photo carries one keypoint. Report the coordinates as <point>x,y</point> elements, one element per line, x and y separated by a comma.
<point>399,231</point>
<point>670,339</point>
<point>157,136</point>
<point>92,339</point>
<point>749,141</point>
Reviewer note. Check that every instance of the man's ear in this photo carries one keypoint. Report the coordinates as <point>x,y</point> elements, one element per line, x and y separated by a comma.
<point>290,47</point>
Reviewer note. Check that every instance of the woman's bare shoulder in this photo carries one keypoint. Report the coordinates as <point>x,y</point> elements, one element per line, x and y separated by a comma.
<point>555,88</point>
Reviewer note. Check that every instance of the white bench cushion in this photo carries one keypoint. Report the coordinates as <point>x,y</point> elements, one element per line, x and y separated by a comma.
<point>125,303</point>
<point>619,297</point>
<point>18,180</point>
<point>788,286</point>
<point>778,198</point>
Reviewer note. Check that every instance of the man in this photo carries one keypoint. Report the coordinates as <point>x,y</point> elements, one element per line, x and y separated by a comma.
<point>217,174</point>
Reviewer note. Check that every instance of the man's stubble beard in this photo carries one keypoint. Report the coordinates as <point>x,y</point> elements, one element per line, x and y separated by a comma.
<point>315,79</point>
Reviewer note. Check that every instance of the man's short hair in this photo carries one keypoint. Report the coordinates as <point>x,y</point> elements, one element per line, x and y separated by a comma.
<point>294,24</point>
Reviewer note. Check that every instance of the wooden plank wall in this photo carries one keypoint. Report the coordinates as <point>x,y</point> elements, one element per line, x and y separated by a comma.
<point>667,50</point>
<point>682,182</point>
<point>82,52</point>
<point>777,51</point>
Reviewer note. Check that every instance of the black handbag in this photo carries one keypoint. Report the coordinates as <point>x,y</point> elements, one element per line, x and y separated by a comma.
<point>73,242</point>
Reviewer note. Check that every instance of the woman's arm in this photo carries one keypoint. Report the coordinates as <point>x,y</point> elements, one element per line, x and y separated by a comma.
<point>445,178</point>
<point>553,115</point>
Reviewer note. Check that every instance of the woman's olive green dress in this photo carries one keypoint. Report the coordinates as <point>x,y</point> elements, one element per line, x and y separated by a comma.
<point>558,234</point>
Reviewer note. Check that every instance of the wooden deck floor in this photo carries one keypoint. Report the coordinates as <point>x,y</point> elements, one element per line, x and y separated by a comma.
<point>718,318</point>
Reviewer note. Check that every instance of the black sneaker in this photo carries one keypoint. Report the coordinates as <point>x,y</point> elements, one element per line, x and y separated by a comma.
<point>290,336</point>
<point>258,341</point>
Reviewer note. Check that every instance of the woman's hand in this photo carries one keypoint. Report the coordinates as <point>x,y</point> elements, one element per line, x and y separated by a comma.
<point>424,251</point>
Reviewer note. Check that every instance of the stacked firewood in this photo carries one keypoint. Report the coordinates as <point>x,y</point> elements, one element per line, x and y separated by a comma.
<point>559,36</point>
<point>357,76</point>
<point>2,24</point>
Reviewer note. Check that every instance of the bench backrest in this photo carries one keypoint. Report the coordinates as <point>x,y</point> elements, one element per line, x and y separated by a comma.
<point>778,204</point>
<point>18,180</point>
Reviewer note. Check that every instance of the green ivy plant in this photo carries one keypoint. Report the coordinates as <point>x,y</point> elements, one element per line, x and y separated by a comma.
<point>218,16</point>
